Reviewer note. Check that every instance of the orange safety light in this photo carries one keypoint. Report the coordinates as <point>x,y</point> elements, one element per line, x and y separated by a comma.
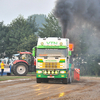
<point>71,47</point>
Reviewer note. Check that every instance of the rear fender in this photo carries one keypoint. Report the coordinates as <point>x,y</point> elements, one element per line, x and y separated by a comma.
<point>20,61</point>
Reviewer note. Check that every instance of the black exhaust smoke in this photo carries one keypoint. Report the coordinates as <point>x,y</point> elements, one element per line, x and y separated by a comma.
<point>71,11</point>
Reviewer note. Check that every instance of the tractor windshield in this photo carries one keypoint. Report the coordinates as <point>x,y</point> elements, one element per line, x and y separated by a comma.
<point>52,52</point>
<point>26,57</point>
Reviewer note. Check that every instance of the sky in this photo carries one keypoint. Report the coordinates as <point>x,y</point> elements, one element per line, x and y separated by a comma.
<point>11,9</point>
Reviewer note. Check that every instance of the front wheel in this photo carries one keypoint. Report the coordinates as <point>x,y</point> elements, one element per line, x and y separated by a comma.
<point>45,80</point>
<point>38,80</point>
<point>64,81</point>
<point>20,69</point>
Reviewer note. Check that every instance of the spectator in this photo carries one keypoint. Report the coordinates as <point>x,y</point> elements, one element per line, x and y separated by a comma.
<point>2,68</point>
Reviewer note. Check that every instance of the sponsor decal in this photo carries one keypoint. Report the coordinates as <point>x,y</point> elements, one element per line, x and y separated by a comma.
<point>42,54</point>
<point>52,42</point>
<point>50,60</point>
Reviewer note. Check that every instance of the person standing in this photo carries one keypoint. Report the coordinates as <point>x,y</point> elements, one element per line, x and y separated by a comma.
<point>2,68</point>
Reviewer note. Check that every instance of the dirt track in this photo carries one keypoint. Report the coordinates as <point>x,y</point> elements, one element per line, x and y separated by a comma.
<point>87,89</point>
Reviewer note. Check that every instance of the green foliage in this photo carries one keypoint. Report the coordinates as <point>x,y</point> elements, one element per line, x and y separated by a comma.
<point>39,19</point>
<point>51,28</point>
<point>28,43</point>
<point>21,35</point>
<point>3,38</point>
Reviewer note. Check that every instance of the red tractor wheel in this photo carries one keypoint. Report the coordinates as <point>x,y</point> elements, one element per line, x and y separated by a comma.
<point>20,69</point>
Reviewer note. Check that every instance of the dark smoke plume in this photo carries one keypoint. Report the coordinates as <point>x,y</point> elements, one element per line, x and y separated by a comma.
<point>71,11</point>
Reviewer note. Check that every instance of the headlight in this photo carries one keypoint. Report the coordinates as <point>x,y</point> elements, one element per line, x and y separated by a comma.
<point>62,72</point>
<point>56,72</point>
<point>39,71</point>
<point>45,72</point>
<point>48,72</point>
<point>52,72</point>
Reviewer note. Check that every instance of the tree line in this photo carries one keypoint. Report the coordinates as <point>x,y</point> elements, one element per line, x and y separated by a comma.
<point>22,34</point>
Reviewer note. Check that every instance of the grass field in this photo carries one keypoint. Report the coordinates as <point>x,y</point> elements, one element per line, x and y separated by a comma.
<point>12,77</point>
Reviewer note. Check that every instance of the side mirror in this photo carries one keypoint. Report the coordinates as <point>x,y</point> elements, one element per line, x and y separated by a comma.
<point>33,52</point>
<point>69,53</point>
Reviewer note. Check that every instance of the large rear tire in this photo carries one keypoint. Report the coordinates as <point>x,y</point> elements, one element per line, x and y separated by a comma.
<point>20,69</point>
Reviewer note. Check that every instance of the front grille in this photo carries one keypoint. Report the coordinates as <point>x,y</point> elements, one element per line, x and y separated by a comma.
<point>52,65</point>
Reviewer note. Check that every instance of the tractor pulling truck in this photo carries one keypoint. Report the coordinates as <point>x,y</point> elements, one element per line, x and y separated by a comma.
<point>53,60</point>
<point>50,59</point>
<point>24,64</point>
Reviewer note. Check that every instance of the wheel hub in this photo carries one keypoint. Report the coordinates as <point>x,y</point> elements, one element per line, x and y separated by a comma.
<point>21,69</point>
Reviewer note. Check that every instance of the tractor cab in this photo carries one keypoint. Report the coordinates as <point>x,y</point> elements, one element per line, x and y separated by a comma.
<point>27,56</point>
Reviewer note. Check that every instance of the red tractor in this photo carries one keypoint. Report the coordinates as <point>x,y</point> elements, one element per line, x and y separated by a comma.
<point>24,64</point>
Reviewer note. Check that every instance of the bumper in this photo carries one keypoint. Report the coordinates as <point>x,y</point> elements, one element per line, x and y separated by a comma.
<point>51,76</point>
